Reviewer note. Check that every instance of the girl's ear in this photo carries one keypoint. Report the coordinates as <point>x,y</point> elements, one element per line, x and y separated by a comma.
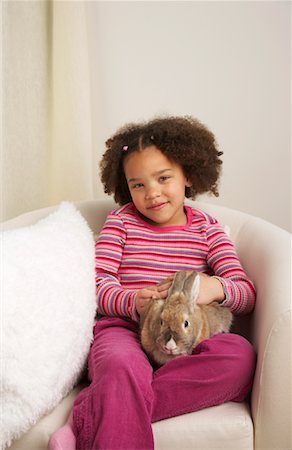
<point>188,183</point>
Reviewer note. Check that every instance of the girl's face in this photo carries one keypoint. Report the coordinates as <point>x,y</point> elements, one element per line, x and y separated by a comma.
<point>157,186</point>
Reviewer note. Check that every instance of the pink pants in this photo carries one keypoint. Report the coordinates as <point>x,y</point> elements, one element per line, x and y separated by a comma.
<point>126,394</point>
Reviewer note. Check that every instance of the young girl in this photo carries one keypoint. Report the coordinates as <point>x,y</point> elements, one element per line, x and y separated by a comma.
<point>150,168</point>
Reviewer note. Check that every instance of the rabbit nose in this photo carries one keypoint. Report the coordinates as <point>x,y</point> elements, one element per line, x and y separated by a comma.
<point>171,344</point>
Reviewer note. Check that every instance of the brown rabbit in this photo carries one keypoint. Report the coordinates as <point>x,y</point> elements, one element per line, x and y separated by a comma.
<point>173,327</point>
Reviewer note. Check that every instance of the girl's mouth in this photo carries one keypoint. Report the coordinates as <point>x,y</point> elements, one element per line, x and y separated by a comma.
<point>157,206</point>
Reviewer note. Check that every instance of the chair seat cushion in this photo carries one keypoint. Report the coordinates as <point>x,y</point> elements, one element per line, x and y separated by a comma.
<point>227,426</point>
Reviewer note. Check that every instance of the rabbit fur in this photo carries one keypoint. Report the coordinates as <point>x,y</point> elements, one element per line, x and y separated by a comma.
<point>173,327</point>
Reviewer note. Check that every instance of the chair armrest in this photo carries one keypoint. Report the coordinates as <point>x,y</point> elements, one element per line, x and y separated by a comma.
<point>265,252</point>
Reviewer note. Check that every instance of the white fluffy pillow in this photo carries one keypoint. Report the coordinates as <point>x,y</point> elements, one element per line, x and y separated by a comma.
<point>48,290</point>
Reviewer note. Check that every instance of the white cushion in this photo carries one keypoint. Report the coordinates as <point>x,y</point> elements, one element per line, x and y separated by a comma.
<point>48,289</point>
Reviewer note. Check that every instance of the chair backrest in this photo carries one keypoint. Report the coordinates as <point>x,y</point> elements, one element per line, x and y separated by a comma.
<point>250,236</point>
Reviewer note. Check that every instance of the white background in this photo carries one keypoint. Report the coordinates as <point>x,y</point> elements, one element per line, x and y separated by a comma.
<point>226,63</point>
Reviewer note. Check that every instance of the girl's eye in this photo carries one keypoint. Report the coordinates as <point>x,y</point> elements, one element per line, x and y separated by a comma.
<point>137,186</point>
<point>186,324</point>
<point>163,178</point>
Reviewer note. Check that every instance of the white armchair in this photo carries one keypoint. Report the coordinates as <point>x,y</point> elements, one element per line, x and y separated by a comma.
<point>265,422</point>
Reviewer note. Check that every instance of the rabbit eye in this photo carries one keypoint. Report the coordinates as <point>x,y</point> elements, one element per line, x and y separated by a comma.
<point>186,324</point>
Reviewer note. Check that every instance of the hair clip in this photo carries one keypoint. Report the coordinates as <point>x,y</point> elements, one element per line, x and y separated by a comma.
<point>125,148</point>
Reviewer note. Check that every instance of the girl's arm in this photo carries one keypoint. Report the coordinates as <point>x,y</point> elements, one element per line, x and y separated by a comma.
<point>112,299</point>
<point>238,289</point>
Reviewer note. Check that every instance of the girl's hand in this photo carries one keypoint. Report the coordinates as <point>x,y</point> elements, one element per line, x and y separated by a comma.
<point>211,290</point>
<point>144,296</point>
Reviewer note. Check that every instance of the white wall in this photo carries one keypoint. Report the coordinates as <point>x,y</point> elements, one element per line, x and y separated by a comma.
<point>24,106</point>
<point>227,63</point>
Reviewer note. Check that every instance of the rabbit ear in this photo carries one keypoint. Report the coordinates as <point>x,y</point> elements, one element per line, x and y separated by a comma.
<point>186,282</point>
<point>178,282</point>
<point>192,287</point>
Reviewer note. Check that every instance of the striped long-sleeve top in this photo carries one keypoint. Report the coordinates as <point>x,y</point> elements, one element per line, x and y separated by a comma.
<point>131,255</point>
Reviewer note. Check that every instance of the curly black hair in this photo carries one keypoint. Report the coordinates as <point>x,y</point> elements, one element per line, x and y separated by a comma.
<point>183,140</point>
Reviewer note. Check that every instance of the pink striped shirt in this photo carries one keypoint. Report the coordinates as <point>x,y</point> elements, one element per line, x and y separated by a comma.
<point>131,255</point>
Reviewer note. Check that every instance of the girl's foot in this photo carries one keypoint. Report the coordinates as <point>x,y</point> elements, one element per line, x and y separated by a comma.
<point>63,438</point>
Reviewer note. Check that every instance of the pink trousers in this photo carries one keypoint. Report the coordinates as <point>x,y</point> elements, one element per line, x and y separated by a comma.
<point>126,394</point>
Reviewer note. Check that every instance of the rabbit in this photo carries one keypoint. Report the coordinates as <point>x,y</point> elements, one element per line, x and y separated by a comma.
<point>173,327</point>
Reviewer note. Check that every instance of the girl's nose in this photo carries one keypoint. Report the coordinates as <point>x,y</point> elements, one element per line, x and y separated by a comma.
<point>152,193</point>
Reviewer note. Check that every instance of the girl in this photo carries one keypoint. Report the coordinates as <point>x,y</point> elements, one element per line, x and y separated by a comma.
<point>150,168</point>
